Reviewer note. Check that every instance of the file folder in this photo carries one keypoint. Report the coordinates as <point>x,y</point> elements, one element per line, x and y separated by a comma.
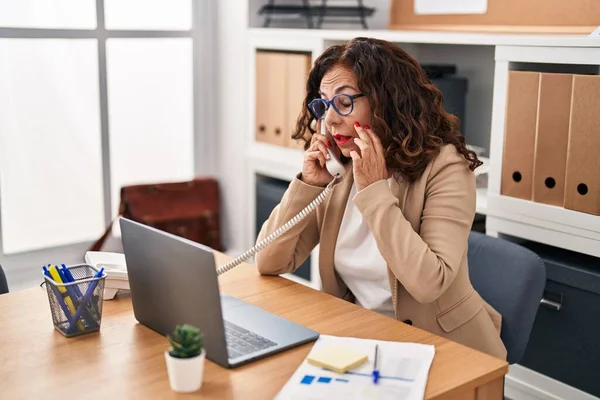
<point>519,134</point>
<point>270,96</point>
<point>298,68</point>
<point>552,137</point>
<point>582,188</point>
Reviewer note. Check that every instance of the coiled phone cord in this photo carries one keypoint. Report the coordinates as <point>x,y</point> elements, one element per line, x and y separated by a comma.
<point>289,225</point>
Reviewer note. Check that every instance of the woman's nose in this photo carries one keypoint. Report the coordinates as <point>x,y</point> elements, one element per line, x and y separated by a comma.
<point>330,117</point>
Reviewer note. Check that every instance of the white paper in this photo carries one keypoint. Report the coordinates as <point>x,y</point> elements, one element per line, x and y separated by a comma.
<point>403,367</point>
<point>450,6</point>
<point>596,33</point>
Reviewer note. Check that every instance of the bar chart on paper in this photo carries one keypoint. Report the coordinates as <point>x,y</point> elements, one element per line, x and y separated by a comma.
<point>331,387</point>
<point>404,368</point>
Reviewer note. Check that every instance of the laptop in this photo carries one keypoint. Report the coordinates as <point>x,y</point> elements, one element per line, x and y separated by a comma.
<point>174,281</point>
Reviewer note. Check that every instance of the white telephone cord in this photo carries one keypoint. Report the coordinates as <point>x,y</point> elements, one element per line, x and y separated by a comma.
<point>289,225</point>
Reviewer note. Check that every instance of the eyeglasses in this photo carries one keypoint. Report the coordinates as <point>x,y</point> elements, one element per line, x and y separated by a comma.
<point>343,104</point>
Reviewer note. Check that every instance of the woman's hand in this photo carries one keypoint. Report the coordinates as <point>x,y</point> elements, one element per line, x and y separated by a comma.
<point>368,166</point>
<point>314,171</point>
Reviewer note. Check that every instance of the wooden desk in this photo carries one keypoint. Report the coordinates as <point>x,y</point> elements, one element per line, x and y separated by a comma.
<point>126,359</point>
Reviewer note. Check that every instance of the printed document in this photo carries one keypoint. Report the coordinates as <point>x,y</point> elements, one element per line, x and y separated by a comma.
<point>403,368</point>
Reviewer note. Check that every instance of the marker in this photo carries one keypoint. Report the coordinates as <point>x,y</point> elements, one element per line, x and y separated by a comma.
<point>56,276</point>
<point>375,373</point>
<point>57,293</point>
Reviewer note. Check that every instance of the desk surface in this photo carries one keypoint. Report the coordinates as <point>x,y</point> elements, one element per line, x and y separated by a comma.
<point>126,359</point>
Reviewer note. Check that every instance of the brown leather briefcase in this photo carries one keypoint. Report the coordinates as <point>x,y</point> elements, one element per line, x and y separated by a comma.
<point>188,209</point>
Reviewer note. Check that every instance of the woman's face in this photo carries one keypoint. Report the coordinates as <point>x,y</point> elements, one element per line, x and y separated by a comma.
<point>341,80</point>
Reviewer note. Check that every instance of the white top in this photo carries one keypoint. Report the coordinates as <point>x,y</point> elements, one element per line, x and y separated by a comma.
<point>359,263</point>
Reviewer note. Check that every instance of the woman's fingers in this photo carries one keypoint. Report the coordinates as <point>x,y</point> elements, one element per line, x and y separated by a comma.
<point>318,137</point>
<point>317,156</point>
<point>374,139</point>
<point>361,133</point>
<point>362,145</point>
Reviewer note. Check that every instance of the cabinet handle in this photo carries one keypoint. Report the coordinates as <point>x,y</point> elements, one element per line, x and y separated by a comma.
<point>261,128</point>
<point>551,304</point>
<point>277,131</point>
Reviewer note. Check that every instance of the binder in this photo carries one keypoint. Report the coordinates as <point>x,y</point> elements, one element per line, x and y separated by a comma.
<point>270,92</point>
<point>582,188</point>
<point>552,137</point>
<point>297,70</point>
<point>519,134</point>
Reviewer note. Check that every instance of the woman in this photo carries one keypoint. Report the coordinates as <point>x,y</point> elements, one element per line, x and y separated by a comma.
<point>393,234</point>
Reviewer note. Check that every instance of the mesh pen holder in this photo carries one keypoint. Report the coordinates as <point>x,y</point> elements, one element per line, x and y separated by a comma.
<point>77,306</point>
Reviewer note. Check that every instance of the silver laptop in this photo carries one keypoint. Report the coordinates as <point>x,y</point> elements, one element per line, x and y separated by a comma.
<point>174,281</point>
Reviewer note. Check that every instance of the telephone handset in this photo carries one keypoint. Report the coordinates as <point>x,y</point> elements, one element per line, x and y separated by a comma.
<point>334,164</point>
<point>335,168</point>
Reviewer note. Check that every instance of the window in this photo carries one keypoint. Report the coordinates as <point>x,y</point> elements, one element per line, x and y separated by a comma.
<point>92,100</point>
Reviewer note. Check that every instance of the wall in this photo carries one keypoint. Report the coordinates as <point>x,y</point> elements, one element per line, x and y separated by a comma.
<point>232,116</point>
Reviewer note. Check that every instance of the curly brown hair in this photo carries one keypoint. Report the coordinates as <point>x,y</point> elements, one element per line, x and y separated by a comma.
<point>407,109</point>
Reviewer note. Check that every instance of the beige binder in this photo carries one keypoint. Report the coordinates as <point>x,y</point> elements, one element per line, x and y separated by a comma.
<point>270,97</point>
<point>552,136</point>
<point>298,68</point>
<point>519,134</point>
<point>582,188</point>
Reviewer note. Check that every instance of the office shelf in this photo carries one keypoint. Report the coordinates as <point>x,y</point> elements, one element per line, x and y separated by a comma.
<point>275,161</point>
<point>489,57</point>
<point>521,41</point>
<point>546,216</point>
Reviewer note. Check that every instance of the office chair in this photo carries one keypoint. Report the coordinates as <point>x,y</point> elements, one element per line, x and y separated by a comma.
<point>3,282</point>
<point>511,279</point>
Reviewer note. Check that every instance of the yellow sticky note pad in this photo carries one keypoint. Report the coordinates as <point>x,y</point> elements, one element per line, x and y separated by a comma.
<point>338,359</point>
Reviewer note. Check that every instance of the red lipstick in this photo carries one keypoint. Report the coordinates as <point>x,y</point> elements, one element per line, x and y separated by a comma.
<point>342,139</point>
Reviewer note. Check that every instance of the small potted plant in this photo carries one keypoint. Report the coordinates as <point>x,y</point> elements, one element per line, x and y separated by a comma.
<point>185,359</point>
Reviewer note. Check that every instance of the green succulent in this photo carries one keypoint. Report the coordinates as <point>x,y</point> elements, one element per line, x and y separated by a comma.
<point>187,341</point>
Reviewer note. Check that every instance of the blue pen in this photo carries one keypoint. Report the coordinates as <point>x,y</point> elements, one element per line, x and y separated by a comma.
<point>70,278</point>
<point>87,297</point>
<point>90,312</point>
<point>375,373</point>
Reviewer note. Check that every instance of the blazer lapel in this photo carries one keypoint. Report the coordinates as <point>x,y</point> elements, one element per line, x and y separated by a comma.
<point>399,188</point>
<point>336,205</point>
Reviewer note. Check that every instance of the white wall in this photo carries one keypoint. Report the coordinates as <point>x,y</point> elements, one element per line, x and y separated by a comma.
<point>232,115</point>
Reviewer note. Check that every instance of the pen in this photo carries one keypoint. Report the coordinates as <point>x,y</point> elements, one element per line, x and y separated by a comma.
<point>70,278</point>
<point>375,373</point>
<point>88,295</point>
<point>89,312</point>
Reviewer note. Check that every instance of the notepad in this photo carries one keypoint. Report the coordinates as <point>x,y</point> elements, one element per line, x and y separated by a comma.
<point>338,359</point>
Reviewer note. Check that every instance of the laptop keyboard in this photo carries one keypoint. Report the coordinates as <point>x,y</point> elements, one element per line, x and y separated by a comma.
<point>241,341</point>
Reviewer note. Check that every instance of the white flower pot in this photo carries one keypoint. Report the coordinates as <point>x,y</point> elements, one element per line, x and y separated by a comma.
<point>185,374</point>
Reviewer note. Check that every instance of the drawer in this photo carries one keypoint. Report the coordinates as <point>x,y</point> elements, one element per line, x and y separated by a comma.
<point>564,343</point>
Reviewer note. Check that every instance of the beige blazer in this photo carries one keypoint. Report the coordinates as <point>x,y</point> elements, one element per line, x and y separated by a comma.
<point>421,230</point>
